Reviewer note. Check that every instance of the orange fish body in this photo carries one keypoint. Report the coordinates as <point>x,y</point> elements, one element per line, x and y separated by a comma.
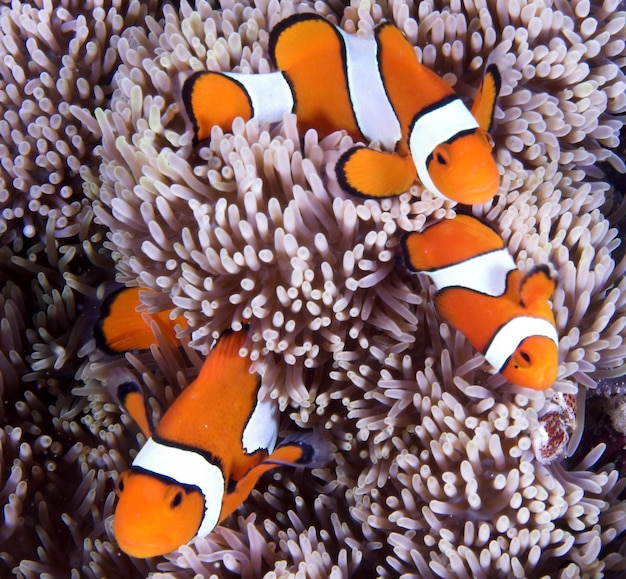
<point>375,89</point>
<point>506,316</point>
<point>205,455</point>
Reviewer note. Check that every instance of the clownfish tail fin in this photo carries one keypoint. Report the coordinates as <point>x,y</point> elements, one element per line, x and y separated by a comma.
<point>122,326</point>
<point>538,284</point>
<point>485,101</point>
<point>307,448</point>
<point>214,98</point>
<point>366,172</point>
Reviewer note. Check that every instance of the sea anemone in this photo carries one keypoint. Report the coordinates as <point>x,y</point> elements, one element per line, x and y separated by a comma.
<point>442,468</point>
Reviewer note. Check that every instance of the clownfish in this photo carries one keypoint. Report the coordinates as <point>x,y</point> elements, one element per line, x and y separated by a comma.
<point>374,88</point>
<point>121,326</point>
<point>480,292</point>
<point>205,455</point>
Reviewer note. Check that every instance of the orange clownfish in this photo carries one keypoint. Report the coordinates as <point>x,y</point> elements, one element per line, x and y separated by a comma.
<point>375,88</point>
<point>506,316</point>
<point>121,327</point>
<point>204,457</point>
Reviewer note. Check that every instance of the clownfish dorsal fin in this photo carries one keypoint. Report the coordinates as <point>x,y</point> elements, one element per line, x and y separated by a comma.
<point>122,327</point>
<point>224,362</point>
<point>369,173</point>
<point>298,38</point>
<point>131,398</point>
<point>538,284</point>
<point>485,101</point>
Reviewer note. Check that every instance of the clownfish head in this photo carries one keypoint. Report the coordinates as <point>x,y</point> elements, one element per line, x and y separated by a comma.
<point>154,516</point>
<point>464,169</point>
<point>533,364</point>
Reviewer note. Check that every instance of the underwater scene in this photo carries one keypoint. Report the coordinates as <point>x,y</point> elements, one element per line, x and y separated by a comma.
<point>312,288</point>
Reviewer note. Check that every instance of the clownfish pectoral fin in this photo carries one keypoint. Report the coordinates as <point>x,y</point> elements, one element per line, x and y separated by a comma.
<point>307,448</point>
<point>213,98</point>
<point>121,327</point>
<point>369,173</point>
<point>537,285</point>
<point>485,101</point>
<point>131,398</point>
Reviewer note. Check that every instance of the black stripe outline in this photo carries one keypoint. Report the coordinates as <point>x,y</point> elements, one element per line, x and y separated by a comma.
<point>205,454</point>
<point>168,480</point>
<point>98,330</point>
<point>483,352</point>
<point>494,71</point>
<point>379,52</point>
<point>432,107</point>
<point>342,179</point>
<point>449,141</point>
<point>256,394</point>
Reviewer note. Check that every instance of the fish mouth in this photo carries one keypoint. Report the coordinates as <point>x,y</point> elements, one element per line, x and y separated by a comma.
<point>471,195</point>
<point>484,192</point>
<point>142,549</point>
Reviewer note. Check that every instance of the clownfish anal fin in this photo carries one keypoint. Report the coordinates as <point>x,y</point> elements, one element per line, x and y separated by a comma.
<point>369,173</point>
<point>131,398</point>
<point>538,284</point>
<point>485,101</point>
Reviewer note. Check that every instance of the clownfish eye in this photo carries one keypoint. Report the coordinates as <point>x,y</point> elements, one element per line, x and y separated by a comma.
<point>441,154</point>
<point>522,359</point>
<point>178,498</point>
<point>120,484</point>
